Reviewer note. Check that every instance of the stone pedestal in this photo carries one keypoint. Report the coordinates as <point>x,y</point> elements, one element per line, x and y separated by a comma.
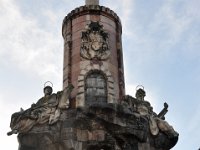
<point>98,127</point>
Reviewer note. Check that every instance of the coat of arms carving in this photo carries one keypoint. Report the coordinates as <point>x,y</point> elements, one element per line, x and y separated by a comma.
<point>94,44</point>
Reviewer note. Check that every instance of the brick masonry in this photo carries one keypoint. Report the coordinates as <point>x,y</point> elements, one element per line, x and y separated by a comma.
<point>76,67</point>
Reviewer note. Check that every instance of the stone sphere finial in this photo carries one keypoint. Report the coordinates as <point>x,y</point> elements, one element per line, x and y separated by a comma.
<point>91,2</point>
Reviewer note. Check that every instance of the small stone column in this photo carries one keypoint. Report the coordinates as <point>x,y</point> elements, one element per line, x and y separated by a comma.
<point>91,2</point>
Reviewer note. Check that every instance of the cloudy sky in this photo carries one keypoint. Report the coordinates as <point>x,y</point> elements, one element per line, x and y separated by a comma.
<point>161,44</point>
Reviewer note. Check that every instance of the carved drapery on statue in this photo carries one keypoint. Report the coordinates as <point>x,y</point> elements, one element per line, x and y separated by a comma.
<point>157,123</point>
<point>123,126</point>
<point>47,109</point>
<point>94,44</point>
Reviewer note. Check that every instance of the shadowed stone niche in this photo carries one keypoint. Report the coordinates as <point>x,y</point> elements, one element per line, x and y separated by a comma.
<point>130,125</point>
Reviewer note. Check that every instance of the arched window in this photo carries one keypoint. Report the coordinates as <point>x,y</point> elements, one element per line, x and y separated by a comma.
<point>95,88</point>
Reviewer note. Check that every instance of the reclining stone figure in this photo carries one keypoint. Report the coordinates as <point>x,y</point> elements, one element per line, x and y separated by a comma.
<point>47,109</point>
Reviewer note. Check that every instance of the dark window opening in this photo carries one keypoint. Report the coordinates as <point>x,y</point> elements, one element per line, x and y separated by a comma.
<point>95,88</point>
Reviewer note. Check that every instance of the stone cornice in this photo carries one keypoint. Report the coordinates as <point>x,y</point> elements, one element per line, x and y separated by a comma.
<point>92,9</point>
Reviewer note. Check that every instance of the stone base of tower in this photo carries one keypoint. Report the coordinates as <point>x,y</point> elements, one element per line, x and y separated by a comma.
<point>97,127</point>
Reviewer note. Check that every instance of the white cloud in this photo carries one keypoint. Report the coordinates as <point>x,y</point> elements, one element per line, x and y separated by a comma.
<point>124,11</point>
<point>173,24</point>
<point>26,44</point>
<point>5,122</point>
<point>169,21</point>
<point>127,11</point>
<point>51,16</point>
<point>193,124</point>
<point>169,24</point>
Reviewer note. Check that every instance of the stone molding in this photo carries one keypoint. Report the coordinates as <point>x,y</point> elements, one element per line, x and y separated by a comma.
<point>86,68</point>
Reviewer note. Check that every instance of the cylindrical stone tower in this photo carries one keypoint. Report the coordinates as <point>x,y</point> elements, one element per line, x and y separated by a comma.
<point>93,59</point>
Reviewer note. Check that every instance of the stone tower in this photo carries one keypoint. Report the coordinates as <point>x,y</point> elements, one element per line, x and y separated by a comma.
<point>93,60</point>
<point>92,111</point>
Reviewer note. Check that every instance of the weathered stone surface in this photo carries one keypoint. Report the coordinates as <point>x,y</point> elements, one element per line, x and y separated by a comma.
<point>100,126</point>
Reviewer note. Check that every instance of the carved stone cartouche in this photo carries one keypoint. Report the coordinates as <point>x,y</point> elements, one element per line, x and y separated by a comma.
<point>94,44</point>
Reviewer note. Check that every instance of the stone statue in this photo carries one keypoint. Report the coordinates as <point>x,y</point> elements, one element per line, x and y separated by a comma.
<point>156,122</point>
<point>47,109</point>
<point>144,109</point>
<point>129,125</point>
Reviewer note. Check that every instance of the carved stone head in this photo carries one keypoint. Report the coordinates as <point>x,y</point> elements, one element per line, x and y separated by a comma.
<point>140,94</point>
<point>48,90</point>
